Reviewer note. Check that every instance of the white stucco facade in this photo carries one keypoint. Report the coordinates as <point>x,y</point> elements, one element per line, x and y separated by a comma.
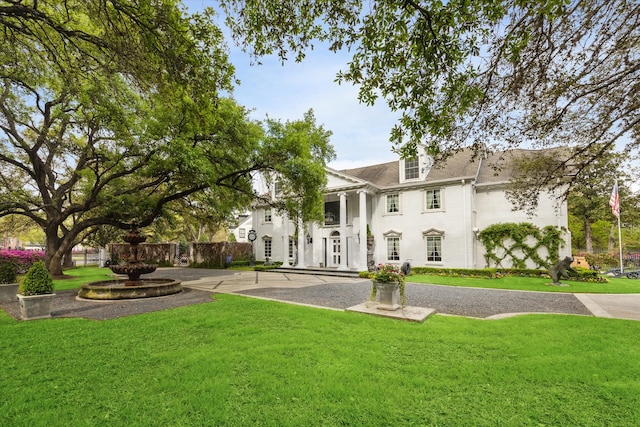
<point>428,215</point>
<point>240,232</point>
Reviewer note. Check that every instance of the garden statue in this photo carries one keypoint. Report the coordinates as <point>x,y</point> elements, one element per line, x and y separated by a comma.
<point>561,269</point>
<point>406,268</point>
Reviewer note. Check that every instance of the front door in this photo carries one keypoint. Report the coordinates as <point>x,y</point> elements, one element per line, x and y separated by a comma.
<point>335,249</point>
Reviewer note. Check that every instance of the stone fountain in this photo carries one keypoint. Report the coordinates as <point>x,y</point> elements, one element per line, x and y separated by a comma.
<point>134,286</point>
<point>134,266</point>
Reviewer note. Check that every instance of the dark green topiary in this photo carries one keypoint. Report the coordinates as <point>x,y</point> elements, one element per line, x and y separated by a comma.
<point>38,281</point>
<point>8,272</point>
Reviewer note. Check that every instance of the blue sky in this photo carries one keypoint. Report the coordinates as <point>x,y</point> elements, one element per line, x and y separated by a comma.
<point>360,132</point>
<point>285,92</point>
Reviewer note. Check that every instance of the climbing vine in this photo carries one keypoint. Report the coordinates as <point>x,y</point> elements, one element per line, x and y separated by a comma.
<point>521,242</point>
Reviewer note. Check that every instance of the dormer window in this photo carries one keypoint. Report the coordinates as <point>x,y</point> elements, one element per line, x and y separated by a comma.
<point>415,168</point>
<point>411,168</point>
<point>277,187</point>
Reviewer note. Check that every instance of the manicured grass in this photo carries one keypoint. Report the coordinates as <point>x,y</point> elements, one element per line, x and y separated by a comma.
<point>241,361</point>
<point>615,286</point>
<point>81,276</point>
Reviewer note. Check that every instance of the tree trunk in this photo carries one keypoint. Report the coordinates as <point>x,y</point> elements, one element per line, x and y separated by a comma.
<point>588,237</point>
<point>68,258</point>
<point>56,250</point>
<point>53,260</point>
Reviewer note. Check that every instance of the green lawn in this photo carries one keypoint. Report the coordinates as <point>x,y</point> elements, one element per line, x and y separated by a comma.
<point>82,275</point>
<point>615,286</point>
<point>242,361</point>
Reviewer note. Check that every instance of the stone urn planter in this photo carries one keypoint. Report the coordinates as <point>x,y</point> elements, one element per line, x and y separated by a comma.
<point>388,295</point>
<point>35,293</point>
<point>369,243</point>
<point>8,282</point>
<point>8,292</point>
<point>388,286</point>
<point>35,306</point>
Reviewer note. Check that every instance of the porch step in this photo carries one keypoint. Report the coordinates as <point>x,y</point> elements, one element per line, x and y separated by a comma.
<point>315,271</point>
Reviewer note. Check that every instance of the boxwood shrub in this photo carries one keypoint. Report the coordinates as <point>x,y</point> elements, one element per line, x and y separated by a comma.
<point>38,281</point>
<point>8,272</point>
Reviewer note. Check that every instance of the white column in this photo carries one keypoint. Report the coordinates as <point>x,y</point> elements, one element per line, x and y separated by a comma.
<point>465,223</point>
<point>301,241</point>
<point>285,238</point>
<point>363,231</point>
<point>343,231</point>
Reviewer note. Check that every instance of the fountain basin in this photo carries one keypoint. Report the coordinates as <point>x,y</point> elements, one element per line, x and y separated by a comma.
<point>133,271</point>
<point>116,289</point>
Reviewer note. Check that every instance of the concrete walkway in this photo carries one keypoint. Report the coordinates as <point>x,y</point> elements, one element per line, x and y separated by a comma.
<point>344,293</point>
<point>619,306</point>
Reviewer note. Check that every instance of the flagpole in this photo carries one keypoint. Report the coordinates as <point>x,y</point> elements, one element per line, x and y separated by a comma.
<point>620,245</point>
<point>614,202</point>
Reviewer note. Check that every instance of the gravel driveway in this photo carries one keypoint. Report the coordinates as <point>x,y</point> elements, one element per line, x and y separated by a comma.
<point>460,301</point>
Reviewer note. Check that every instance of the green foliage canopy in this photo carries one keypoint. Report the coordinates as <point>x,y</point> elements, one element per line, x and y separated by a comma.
<point>467,73</point>
<point>110,111</point>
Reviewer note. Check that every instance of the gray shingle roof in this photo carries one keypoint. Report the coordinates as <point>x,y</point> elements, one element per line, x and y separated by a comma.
<point>460,165</point>
<point>494,168</point>
<point>381,175</point>
<point>498,167</point>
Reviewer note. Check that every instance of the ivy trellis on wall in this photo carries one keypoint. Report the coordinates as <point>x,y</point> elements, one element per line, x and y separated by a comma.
<point>513,238</point>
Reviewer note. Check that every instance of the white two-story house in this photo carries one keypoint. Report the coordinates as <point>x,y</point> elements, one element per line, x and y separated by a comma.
<point>412,210</point>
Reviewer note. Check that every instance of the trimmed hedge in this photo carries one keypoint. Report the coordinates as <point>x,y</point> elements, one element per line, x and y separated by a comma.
<point>583,275</point>
<point>215,265</point>
<point>488,273</point>
<point>267,267</point>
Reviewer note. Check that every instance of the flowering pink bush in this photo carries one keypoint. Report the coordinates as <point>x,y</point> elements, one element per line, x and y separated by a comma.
<point>23,260</point>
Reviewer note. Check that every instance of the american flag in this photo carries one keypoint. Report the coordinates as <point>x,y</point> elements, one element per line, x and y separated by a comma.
<point>614,201</point>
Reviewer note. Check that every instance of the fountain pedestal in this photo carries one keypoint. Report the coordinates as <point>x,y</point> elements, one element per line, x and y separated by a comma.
<point>134,267</point>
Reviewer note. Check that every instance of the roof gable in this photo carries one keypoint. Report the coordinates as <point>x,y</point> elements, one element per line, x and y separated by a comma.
<point>338,180</point>
<point>460,165</point>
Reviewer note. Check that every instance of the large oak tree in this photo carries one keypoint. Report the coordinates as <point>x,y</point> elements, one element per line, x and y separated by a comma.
<point>110,111</point>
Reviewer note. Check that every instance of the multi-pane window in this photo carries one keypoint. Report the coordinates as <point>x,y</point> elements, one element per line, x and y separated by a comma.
<point>267,248</point>
<point>277,187</point>
<point>241,233</point>
<point>434,248</point>
<point>267,215</point>
<point>393,203</point>
<point>433,200</point>
<point>411,169</point>
<point>393,248</point>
